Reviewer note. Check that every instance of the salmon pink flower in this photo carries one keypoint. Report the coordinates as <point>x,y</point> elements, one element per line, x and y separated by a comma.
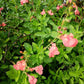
<point>1,9</point>
<point>16,67</point>
<point>77,12</point>
<point>32,79</point>
<point>60,32</point>
<point>39,69</point>
<point>69,41</point>
<point>31,69</point>
<point>24,1</point>
<point>21,57</point>
<point>50,12</point>
<point>43,12</point>
<point>20,65</point>
<point>74,6</point>
<point>58,7</point>
<point>21,52</point>
<point>61,6</point>
<point>53,50</point>
<point>3,24</point>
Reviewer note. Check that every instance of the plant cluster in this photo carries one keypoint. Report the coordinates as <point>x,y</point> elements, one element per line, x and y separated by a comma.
<point>41,41</point>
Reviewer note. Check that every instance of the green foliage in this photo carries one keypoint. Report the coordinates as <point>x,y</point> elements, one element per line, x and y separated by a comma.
<point>28,31</point>
<point>13,74</point>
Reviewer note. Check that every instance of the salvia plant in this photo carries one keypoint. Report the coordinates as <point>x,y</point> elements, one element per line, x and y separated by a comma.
<point>41,42</point>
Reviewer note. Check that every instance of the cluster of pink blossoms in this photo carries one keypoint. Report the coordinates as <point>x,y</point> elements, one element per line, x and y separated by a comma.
<point>3,24</point>
<point>49,12</point>
<point>24,1</point>
<point>75,6</point>
<point>53,50</point>
<point>43,12</point>
<point>38,69</point>
<point>20,65</point>
<point>58,7</point>
<point>76,10</point>
<point>68,40</point>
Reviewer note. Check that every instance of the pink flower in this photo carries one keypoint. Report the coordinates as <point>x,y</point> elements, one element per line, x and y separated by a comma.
<point>74,6</point>
<point>24,1</point>
<point>61,6</point>
<point>53,50</point>
<point>31,69</point>
<point>1,9</point>
<point>3,24</point>
<point>21,57</point>
<point>16,67</point>
<point>70,1</point>
<point>58,7</point>
<point>77,12</point>
<point>69,41</point>
<point>39,69</point>
<point>21,52</point>
<point>43,12</point>
<point>20,65</point>
<point>50,12</point>
<point>60,32</point>
<point>32,79</point>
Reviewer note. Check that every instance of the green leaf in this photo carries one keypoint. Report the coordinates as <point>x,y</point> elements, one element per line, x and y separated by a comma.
<point>35,46</point>
<point>0,57</point>
<point>74,74</point>
<point>68,49</point>
<point>54,34</point>
<point>42,34</point>
<point>18,75</point>
<point>81,59</point>
<point>51,72</point>
<point>72,30</point>
<point>53,24</point>
<point>28,48</point>
<point>4,66</point>
<point>43,77</point>
<point>47,59</point>
<point>0,54</point>
<point>47,52</point>
<point>64,81</point>
<point>13,74</point>
<point>66,56</point>
<point>27,32</point>
<point>77,66</point>
<point>34,59</point>
<point>81,81</point>
<point>71,81</point>
<point>35,75</point>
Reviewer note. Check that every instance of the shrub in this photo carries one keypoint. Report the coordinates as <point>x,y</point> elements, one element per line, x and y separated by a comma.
<point>41,42</point>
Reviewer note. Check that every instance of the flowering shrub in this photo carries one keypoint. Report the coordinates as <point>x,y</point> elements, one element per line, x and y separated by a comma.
<point>41,41</point>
